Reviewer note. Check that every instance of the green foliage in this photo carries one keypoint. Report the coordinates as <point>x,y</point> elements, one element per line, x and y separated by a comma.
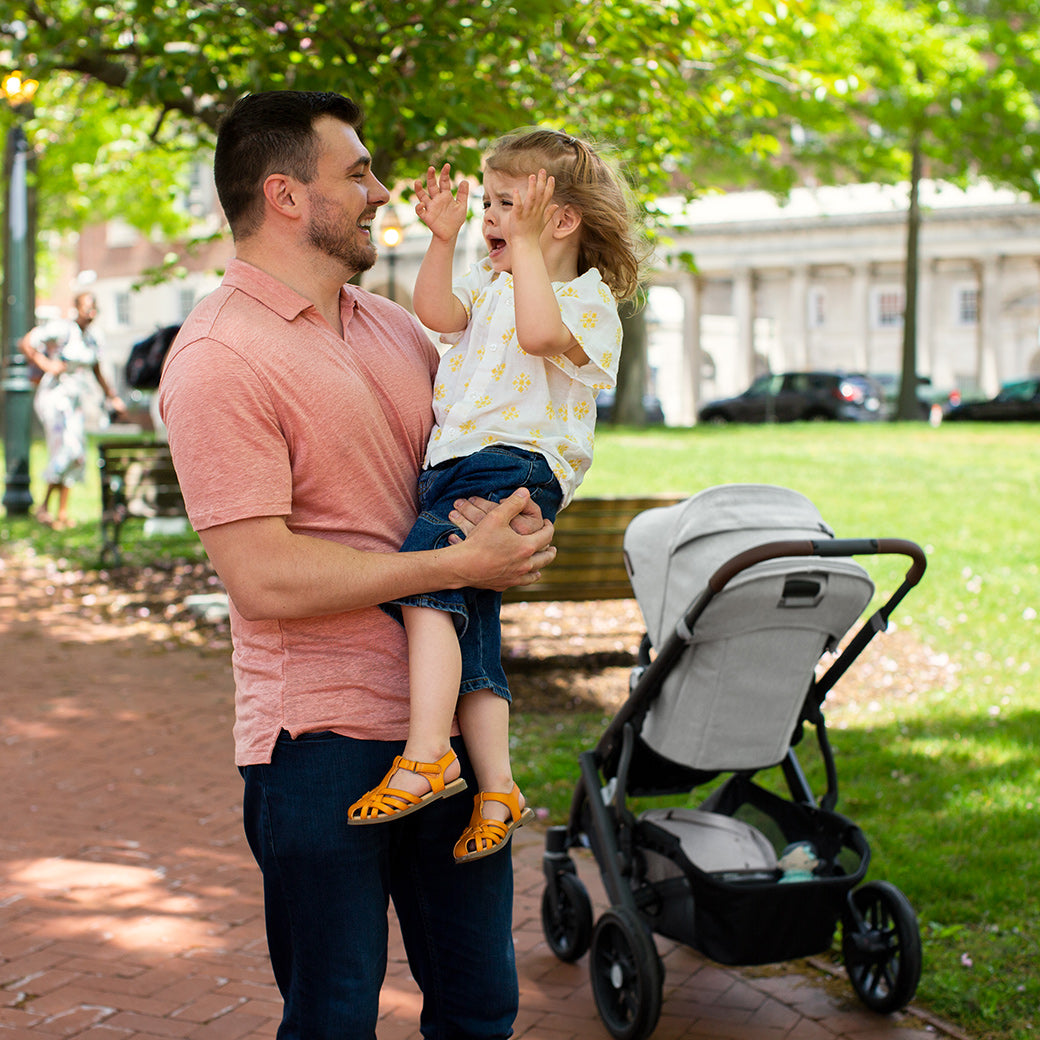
<point>754,91</point>
<point>97,160</point>
<point>683,89</point>
<point>957,79</point>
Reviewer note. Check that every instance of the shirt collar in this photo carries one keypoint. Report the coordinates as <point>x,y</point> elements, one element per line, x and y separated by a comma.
<point>275,294</point>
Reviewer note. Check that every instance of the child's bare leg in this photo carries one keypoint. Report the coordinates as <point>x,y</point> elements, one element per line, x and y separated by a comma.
<point>484,721</point>
<point>434,670</point>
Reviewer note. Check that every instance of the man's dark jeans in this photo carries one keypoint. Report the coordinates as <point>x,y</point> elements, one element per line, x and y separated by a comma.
<point>326,892</point>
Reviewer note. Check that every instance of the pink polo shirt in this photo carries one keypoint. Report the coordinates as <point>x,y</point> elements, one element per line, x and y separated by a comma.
<point>271,413</point>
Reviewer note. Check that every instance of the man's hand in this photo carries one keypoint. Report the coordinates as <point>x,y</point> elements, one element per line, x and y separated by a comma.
<point>497,556</point>
<point>468,512</point>
<point>441,211</point>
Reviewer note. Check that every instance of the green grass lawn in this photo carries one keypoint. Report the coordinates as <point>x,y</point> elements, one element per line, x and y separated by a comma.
<point>946,783</point>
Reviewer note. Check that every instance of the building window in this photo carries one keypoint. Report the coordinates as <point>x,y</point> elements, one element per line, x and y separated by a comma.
<point>123,308</point>
<point>888,308</point>
<point>967,302</point>
<point>817,308</point>
<point>120,235</point>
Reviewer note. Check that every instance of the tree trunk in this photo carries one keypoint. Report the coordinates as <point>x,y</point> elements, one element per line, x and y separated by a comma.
<point>631,385</point>
<point>908,406</point>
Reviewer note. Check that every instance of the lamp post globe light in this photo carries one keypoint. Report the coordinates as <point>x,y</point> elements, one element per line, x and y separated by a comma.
<point>391,235</point>
<point>19,298</point>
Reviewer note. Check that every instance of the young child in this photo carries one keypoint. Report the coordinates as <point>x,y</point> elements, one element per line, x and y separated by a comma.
<point>534,333</point>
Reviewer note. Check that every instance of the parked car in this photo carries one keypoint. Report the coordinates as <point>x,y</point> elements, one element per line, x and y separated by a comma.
<point>653,413</point>
<point>1018,401</point>
<point>927,395</point>
<point>795,396</point>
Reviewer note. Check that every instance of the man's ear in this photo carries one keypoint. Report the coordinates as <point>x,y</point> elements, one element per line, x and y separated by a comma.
<point>566,221</point>
<point>283,195</point>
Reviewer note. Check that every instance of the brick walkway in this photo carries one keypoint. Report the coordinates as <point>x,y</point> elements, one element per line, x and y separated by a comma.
<point>130,906</point>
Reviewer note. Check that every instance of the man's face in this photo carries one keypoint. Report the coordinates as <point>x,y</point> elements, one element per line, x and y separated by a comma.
<point>344,198</point>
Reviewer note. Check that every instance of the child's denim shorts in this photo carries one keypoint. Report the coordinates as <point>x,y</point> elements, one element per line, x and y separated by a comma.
<point>493,473</point>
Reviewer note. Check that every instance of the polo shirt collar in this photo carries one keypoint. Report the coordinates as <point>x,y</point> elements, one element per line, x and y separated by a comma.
<point>275,294</point>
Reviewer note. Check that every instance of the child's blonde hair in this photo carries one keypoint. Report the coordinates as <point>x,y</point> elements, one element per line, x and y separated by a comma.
<point>589,184</point>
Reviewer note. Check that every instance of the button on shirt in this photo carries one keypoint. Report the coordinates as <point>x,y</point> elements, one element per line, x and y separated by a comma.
<point>490,391</point>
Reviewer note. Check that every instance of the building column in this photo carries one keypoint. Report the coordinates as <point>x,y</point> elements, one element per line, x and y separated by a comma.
<point>689,287</point>
<point>926,317</point>
<point>798,356</point>
<point>988,328</point>
<point>744,315</point>
<point>860,317</point>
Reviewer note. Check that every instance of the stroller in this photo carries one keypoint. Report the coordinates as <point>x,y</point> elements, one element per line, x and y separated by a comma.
<point>743,588</point>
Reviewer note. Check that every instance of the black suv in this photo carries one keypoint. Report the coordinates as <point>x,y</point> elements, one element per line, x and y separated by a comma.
<point>797,396</point>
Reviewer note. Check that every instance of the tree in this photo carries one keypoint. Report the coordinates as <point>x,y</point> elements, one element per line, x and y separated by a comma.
<point>691,93</point>
<point>932,90</point>
<point>435,77</point>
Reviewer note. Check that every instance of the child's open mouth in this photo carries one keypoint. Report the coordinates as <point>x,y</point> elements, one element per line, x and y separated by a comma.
<point>495,247</point>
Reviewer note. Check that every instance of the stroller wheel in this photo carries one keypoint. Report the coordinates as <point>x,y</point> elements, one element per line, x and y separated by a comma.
<point>881,945</point>
<point>626,975</point>
<point>567,917</point>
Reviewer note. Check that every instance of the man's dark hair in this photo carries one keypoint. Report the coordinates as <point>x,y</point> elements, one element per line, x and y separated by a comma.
<point>270,132</point>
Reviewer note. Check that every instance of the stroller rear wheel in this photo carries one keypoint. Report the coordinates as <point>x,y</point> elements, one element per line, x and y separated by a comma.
<point>567,917</point>
<point>881,945</point>
<point>626,975</point>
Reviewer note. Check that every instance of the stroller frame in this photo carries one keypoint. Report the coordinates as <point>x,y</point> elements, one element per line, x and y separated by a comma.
<point>653,888</point>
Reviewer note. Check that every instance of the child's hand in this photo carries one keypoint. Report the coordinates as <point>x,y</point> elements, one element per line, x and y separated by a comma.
<point>532,212</point>
<point>441,211</point>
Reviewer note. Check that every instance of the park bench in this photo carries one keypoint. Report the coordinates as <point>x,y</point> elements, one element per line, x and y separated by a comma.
<point>137,480</point>
<point>590,562</point>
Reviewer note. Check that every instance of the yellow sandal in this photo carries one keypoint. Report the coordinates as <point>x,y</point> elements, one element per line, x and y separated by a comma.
<point>488,836</point>
<point>385,803</point>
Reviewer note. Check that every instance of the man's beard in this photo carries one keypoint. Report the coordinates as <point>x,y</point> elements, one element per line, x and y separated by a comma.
<point>328,233</point>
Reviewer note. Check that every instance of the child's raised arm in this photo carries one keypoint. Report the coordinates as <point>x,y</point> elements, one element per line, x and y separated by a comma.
<point>539,325</point>
<point>444,213</point>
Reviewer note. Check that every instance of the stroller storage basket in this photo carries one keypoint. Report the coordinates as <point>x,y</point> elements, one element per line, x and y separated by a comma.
<point>749,915</point>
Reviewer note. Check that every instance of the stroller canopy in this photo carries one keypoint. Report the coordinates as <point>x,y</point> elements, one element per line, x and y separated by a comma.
<point>734,698</point>
<point>671,552</point>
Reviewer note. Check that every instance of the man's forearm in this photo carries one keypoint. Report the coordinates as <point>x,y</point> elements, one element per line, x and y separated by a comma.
<point>272,573</point>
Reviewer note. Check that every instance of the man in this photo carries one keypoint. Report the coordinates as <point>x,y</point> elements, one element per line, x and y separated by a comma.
<point>298,409</point>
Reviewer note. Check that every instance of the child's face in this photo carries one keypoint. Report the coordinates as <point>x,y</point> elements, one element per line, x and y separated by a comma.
<point>498,208</point>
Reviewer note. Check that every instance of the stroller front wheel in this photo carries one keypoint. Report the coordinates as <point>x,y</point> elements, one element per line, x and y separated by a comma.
<point>626,975</point>
<point>567,917</point>
<point>881,946</point>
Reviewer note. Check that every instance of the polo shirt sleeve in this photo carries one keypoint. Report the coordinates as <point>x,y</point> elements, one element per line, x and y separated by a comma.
<point>231,456</point>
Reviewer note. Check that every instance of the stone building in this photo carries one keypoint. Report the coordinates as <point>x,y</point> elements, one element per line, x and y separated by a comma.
<point>812,281</point>
<point>817,281</point>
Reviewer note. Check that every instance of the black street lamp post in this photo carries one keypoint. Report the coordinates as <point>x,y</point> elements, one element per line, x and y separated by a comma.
<point>19,300</point>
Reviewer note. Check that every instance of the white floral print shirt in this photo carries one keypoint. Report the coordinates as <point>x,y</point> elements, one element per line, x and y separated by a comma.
<point>490,391</point>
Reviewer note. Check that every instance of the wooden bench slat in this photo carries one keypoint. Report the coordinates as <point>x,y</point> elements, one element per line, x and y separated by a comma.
<point>589,540</point>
